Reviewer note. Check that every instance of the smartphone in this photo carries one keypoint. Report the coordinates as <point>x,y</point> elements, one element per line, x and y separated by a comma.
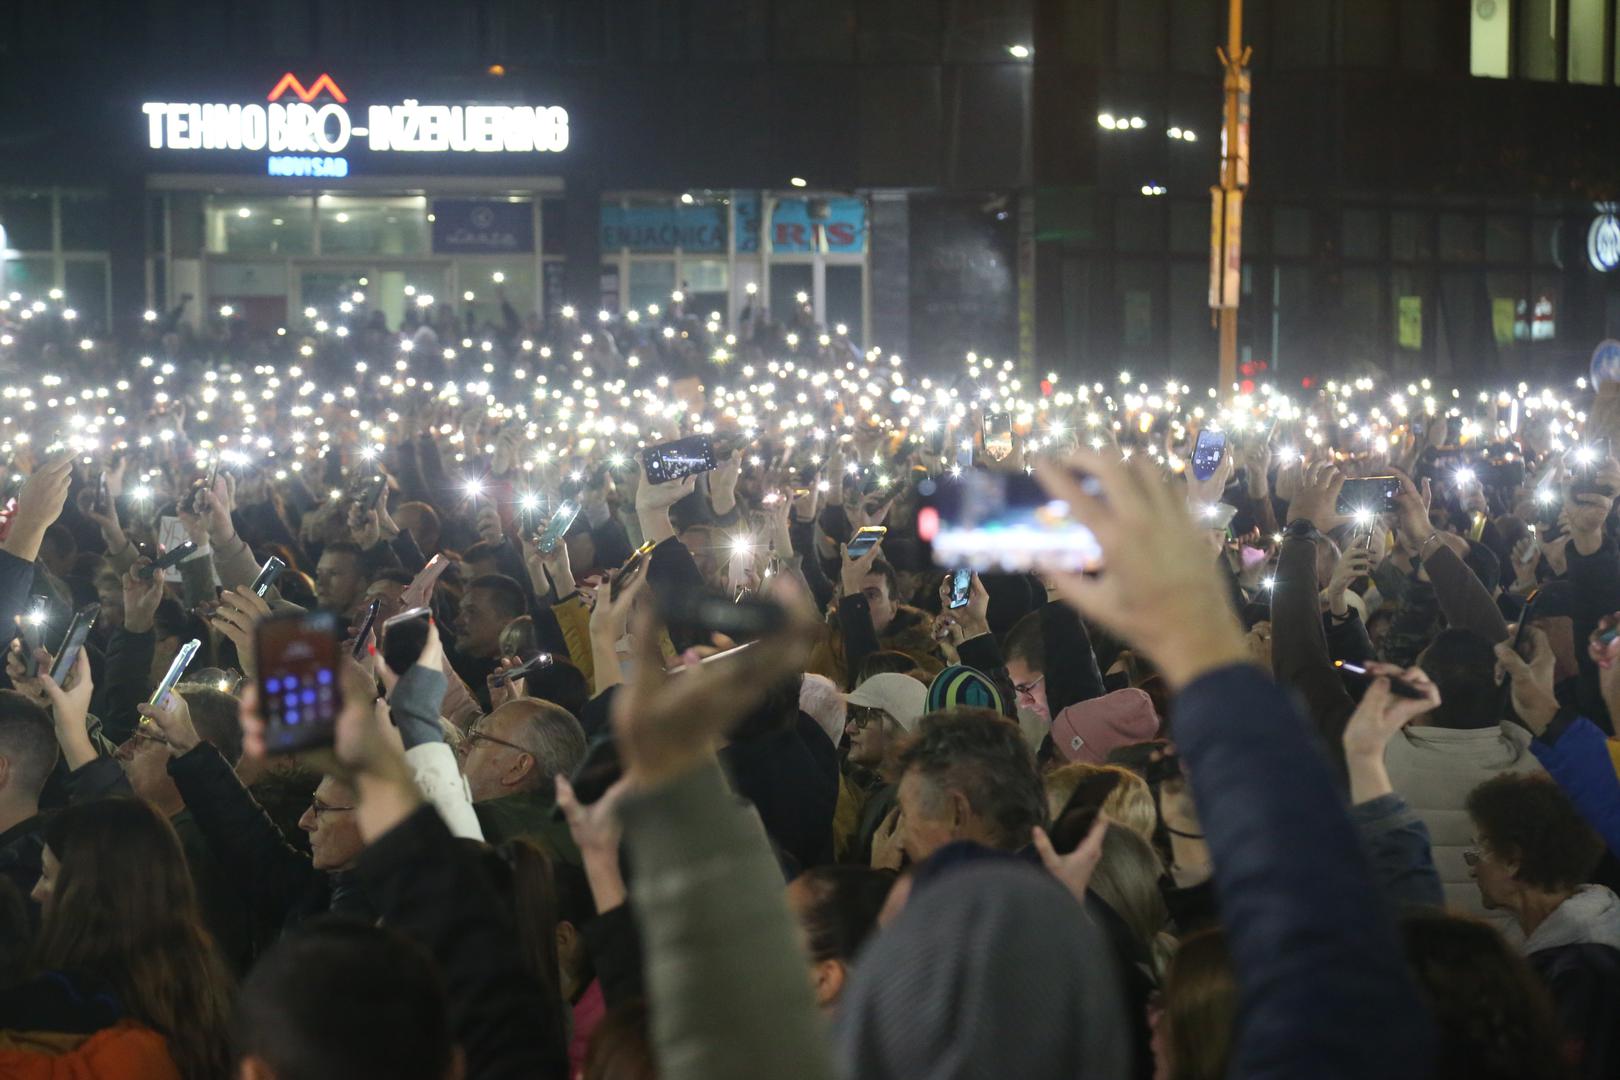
<point>748,617</point>
<point>366,625</point>
<point>1374,493</point>
<point>103,498</point>
<point>1207,453</point>
<point>631,567</point>
<point>1526,615</point>
<point>177,668</point>
<point>998,435</point>
<point>1454,426</point>
<point>169,558</point>
<point>600,770</point>
<point>1398,687</point>
<point>678,459</point>
<point>865,539</point>
<point>1004,522</point>
<point>205,484</point>
<point>961,588</point>
<point>403,638</point>
<point>31,628</point>
<point>298,655</point>
<point>367,493</point>
<point>78,630</point>
<point>548,538</point>
<point>268,573</point>
<point>1583,473</point>
<point>537,662</point>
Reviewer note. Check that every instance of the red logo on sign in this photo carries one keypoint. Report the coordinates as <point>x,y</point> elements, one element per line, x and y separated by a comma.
<point>290,81</point>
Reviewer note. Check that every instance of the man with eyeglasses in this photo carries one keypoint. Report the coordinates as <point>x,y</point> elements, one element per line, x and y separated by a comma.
<point>511,760</point>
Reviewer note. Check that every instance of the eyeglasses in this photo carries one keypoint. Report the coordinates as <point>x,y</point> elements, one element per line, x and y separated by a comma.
<point>474,736</point>
<point>318,808</point>
<point>1028,688</point>
<point>862,715</point>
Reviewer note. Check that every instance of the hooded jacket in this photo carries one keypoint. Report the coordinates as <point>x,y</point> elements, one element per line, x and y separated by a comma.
<point>1576,951</point>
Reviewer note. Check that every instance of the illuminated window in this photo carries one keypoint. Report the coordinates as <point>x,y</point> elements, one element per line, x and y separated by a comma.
<point>1489,38</point>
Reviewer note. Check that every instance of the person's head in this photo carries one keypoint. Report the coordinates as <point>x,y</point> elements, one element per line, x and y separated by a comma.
<point>117,904</point>
<point>480,560</point>
<point>57,550</point>
<point>1463,667</point>
<point>704,545</point>
<point>519,638</point>
<point>523,879</point>
<point>340,578</point>
<point>1127,880</point>
<point>1193,1037</point>
<point>1529,842</point>
<point>1128,803</point>
<point>837,908</point>
<point>882,591</point>
<point>334,835</point>
<point>1495,1019</point>
<point>387,586</point>
<point>880,713</point>
<point>490,603</point>
<point>27,755</point>
<point>110,595</point>
<point>521,747</point>
<point>968,774</point>
<point>881,661</point>
<point>145,754</point>
<point>821,699</point>
<point>343,1000</point>
<point>1025,652</point>
<point>422,522</point>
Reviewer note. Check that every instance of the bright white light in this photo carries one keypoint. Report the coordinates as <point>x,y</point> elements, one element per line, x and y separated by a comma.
<point>798,181</point>
<point>1019,52</point>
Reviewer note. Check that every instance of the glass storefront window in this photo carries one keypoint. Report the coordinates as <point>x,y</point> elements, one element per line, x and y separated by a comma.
<point>30,275</point>
<point>1363,234</point>
<point>704,283</point>
<point>1409,238</point>
<point>1459,238</point>
<point>85,281</point>
<point>362,225</point>
<point>788,282</point>
<point>845,296</point>
<point>490,280</point>
<point>651,282</point>
<point>260,226</point>
<point>26,217</point>
<point>1505,238</point>
<point>85,226</point>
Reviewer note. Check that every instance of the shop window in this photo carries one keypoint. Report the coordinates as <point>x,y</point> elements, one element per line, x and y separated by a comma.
<point>1509,309</point>
<point>845,298</point>
<point>651,282</point>
<point>1139,285</point>
<point>85,282</point>
<point>1506,239</point>
<point>789,281</point>
<point>553,227</point>
<point>255,226</point>
<point>358,225</point>
<point>489,282</point>
<point>1361,316</point>
<point>1536,26</point>
<point>609,291</point>
<point>26,217</point>
<point>704,282</point>
<point>1489,40</point>
<point>1459,238</point>
<point>1363,234</point>
<point>1409,292</point>
<point>31,275</point>
<point>84,221</point>
<point>1588,33</point>
<point>1409,236</point>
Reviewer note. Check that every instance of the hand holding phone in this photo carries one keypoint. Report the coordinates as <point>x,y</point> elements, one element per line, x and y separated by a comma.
<point>1207,453</point>
<point>73,642</point>
<point>300,695</point>
<point>173,557</point>
<point>678,459</point>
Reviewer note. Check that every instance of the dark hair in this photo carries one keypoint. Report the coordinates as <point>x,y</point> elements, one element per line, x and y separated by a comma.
<point>483,551</point>
<point>1200,1007</point>
<point>621,1046</point>
<point>123,910</point>
<point>393,574</point>
<point>883,662</point>
<point>882,566</point>
<point>510,598</point>
<point>777,713</point>
<point>562,684</point>
<point>216,716</point>
<point>1485,565</point>
<point>344,1000</point>
<point>1495,1019</point>
<point>296,587</point>
<point>27,741</point>
<point>843,907</point>
<point>1026,641</point>
<point>58,542</point>
<point>344,547</point>
<point>429,540</point>
<point>522,877</point>
<point>983,755</point>
<point>1462,665</point>
<point>1526,817</point>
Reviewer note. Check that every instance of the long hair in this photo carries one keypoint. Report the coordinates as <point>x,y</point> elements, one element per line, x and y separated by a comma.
<point>1200,1007</point>
<point>123,909</point>
<point>522,875</point>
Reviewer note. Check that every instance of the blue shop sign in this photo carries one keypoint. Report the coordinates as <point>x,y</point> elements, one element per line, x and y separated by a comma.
<point>482,227</point>
<point>664,228</point>
<point>801,226</point>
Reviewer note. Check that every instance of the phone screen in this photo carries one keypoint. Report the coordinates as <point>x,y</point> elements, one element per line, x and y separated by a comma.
<point>632,566</point>
<point>299,696</point>
<point>1207,451</point>
<point>1369,494</point>
<point>678,459</point>
<point>403,638</point>
<point>366,625</point>
<point>865,539</point>
<point>1002,521</point>
<point>273,566</point>
<point>998,435</point>
<point>961,588</point>
<point>558,526</point>
<point>78,631</point>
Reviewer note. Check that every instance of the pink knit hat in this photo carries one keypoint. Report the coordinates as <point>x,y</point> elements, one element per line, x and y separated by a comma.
<point>1088,730</point>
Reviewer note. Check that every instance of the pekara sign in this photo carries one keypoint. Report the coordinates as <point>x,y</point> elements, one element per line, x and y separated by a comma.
<point>305,130</point>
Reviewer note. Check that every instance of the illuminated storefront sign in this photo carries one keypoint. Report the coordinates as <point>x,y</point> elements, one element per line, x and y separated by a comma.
<point>307,139</point>
<point>1603,240</point>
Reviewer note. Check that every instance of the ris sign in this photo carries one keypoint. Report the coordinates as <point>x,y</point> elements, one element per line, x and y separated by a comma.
<point>301,127</point>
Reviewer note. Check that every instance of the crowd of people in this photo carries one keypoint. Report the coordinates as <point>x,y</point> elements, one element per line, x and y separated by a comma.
<point>1285,782</point>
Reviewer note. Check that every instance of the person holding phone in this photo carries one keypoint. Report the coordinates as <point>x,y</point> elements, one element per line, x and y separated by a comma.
<point>869,617</point>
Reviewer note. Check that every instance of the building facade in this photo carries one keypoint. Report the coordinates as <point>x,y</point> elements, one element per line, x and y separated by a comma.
<point>1432,183</point>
